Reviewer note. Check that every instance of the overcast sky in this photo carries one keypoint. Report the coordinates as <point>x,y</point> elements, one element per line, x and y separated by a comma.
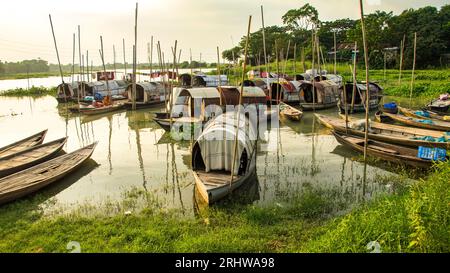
<point>201,25</point>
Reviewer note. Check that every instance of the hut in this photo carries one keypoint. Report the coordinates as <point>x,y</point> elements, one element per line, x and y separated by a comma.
<point>65,92</point>
<point>286,91</point>
<point>356,99</point>
<point>115,88</point>
<point>147,94</point>
<point>322,96</point>
<point>213,155</point>
<point>202,80</point>
<point>185,80</point>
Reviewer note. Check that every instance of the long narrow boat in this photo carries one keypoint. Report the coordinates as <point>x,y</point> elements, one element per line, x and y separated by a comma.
<point>430,115</point>
<point>290,112</point>
<point>420,123</point>
<point>23,144</point>
<point>394,134</point>
<point>212,156</point>
<point>30,157</point>
<point>178,122</point>
<point>390,152</point>
<point>33,179</point>
<point>101,110</point>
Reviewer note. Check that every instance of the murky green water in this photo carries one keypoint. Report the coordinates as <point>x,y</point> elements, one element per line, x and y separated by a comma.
<point>134,153</point>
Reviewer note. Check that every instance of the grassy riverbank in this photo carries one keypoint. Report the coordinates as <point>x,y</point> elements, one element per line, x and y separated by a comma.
<point>414,220</point>
<point>32,92</point>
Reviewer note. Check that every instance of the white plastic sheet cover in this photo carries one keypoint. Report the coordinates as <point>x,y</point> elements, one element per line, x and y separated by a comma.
<point>217,141</point>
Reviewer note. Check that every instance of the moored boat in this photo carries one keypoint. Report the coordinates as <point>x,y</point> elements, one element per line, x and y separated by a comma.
<point>213,152</point>
<point>406,136</point>
<point>290,112</point>
<point>23,144</point>
<point>33,179</point>
<point>390,152</point>
<point>101,110</point>
<point>423,114</point>
<point>420,122</point>
<point>30,157</point>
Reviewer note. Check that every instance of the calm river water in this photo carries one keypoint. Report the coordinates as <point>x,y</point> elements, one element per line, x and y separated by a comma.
<point>135,153</point>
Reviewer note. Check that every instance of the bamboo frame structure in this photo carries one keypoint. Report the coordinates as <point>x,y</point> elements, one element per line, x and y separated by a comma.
<point>366,60</point>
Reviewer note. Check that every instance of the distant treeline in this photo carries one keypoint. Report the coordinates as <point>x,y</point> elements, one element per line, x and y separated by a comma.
<point>385,32</point>
<point>27,66</point>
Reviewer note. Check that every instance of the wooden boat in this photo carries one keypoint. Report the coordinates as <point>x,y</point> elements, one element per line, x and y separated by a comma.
<point>33,179</point>
<point>394,134</point>
<point>432,115</point>
<point>212,156</point>
<point>290,112</point>
<point>389,152</point>
<point>101,110</point>
<point>440,106</point>
<point>178,122</point>
<point>433,125</point>
<point>143,105</point>
<point>30,157</point>
<point>380,117</point>
<point>23,144</point>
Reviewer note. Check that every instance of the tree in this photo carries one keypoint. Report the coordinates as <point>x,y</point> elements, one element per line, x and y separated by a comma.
<point>305,18</point>
<point>230,53</point>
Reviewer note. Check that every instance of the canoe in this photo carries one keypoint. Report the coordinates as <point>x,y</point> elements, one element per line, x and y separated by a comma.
<point>33,179</point>
<point>317,106</point>
<point>432,115</point>
<point>178,122</point>
<point>401,135</point>
<point>30,157</point>
<point>389,152</point>
<point>23,144</point>
<point>101,110</point>
<point>290,112</point>
<point>420,123</point>
<point>212,157</point>
<point>143,105</point>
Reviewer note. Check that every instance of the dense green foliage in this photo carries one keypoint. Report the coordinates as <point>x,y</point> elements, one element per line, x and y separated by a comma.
<point>384,30</point>
<point>26,66</point>
<point>33,92</point>
<point>416,219</point>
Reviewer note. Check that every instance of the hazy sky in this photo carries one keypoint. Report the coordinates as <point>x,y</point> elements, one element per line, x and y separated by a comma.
<point>198,24</point>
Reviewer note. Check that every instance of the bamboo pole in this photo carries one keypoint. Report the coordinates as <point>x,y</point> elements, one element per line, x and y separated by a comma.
<point>135,56</point>
<point>114,60</point>
<point>87,66</point>
<point>104,69</point>
<point>177,64</point>
<point>312,67</point>
<point>366,60</point>
<point>354,77</point>
<point>124,58</point>
<point>171,86</point>
<point>190,64</point>
<point>335,52</point>
<point>57,54</point>
<point>295,59</point>
<point>278,72</point>
<point>318,58</point>
<point>402,52</point>
<point>218,75</point>
<point>151,57</point>
<point>413,69</point>
<point>265,54</point>
<point>79,56</point>
<point>287,57</point>
<point>240,100</point>
<point>73,60</point>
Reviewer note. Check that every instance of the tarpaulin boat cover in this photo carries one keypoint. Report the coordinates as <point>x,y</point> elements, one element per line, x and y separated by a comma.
<point>216,143</point>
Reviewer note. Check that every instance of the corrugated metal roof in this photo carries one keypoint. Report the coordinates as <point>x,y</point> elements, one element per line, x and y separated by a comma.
<point>250,91</point>
<point>204,92</point>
